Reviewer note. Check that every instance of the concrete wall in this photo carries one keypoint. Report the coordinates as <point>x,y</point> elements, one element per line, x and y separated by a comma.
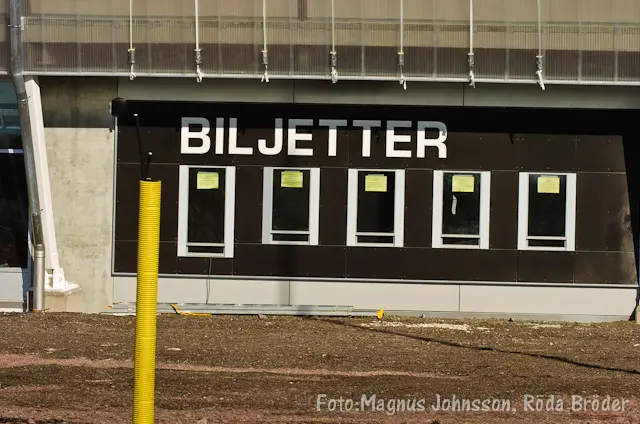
<point>80,151</point>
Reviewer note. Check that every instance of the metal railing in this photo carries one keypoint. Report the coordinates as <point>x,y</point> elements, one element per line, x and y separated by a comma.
<point>565,41</point>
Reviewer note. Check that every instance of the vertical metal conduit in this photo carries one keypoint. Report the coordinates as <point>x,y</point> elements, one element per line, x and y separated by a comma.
<point>401,52</point>
<point>333,55</point>
<point>540,57</point>
<point>471,59</point>
<point>132,51</point>
<point>197,53</point>
<point>265,55</point>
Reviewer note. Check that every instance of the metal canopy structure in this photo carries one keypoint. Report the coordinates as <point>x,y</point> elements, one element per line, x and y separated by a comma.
<point>512,41</point>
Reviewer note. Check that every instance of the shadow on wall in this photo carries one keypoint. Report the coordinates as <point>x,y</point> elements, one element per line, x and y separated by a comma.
<point>632,167</point>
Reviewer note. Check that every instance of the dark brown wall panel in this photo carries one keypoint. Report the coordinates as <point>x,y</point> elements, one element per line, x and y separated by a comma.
<point>600,154</point>
<point>289,261</point>
<point>503,220</point>
<point>205,266</point>
<point>126,257</point>
<point>418,208</point>
<point>127,201</point>
<point>333,206</point>
<point>603,221</point>
<point>163,142</point>
<point>459,264</point>
<point>248,217</point>
<point>374,262</point>
<point>546,267</point>
<point>555,153</point>
<point>477,151</point>
<point>606,268</point>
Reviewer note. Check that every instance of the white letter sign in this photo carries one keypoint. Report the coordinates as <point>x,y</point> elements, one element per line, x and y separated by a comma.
<point>293,137</point>
<point>423,142</point>
<point>366,135</point>
<point>186,134</point>
<point>333,124</point>
<point>393,138</point>
<point>233,140</point>
<point>277,141</point>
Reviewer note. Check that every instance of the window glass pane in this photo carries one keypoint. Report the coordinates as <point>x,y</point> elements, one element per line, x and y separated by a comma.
<point>10,141</point>
<point>9,119</point>
<point>291,190</point>
<point>205,249</point>
<point>291,237</point>
<point>14,211</point>
<point>461,241</point>
<point>206,205</point>
<point>376,201</point>
<point>546,243</point>
<point>461,204</point>
<point>547,204</point>
<point>375,239</point>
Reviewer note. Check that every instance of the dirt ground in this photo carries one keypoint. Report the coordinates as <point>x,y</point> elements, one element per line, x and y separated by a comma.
<point>72,368</point>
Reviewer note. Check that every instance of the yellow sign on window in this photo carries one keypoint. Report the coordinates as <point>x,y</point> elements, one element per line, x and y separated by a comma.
<point>208,180</point>
<point>463,184</point>
<point>376,183</point>
<point>549,184</point>
<point>291,179</point>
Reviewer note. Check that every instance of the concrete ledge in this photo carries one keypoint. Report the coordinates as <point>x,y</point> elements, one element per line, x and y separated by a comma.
<point>548,300</point>
<point>391,296</point>
<point>188,290</point>
<point>580,304</point>
<point>64,302</point>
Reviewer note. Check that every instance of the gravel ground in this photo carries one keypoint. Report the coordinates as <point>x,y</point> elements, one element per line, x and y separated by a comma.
<point>75,368</point>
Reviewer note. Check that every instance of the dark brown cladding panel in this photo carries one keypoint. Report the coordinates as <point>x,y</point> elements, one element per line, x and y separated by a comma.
<point>248,219</point>
<point>418,208</point>
<point>603,213</point>
<point>600,154</point>
<point>606,268</point>
<point>126,257</point>
<point>127,189</point>
<point>333,207</point>
<point>545,152</point>
<point>546,267</point>
<point>289,261</point>
<point>459,265</point>
<point>503,227</point>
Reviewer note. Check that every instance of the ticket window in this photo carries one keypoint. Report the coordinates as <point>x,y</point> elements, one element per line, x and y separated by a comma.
<point>206,208</point>
<point>461,209</point>
<point>547,211</point>
<point>375,209</point>
<point>291,206</point>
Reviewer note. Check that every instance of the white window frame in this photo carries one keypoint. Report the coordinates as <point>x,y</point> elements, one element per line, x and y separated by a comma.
<point>314,208</point>
<point>352,209</point>
<point>229,213</point>
<point>485,211</point>
<point>523,214</point>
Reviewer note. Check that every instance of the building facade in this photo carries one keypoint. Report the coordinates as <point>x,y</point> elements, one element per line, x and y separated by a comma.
<point>481,188</point>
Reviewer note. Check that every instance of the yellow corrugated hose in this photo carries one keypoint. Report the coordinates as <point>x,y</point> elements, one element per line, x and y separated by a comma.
<point>146,302</point>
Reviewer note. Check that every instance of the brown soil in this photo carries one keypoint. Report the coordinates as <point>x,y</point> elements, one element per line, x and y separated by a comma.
<point>72,368</point>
